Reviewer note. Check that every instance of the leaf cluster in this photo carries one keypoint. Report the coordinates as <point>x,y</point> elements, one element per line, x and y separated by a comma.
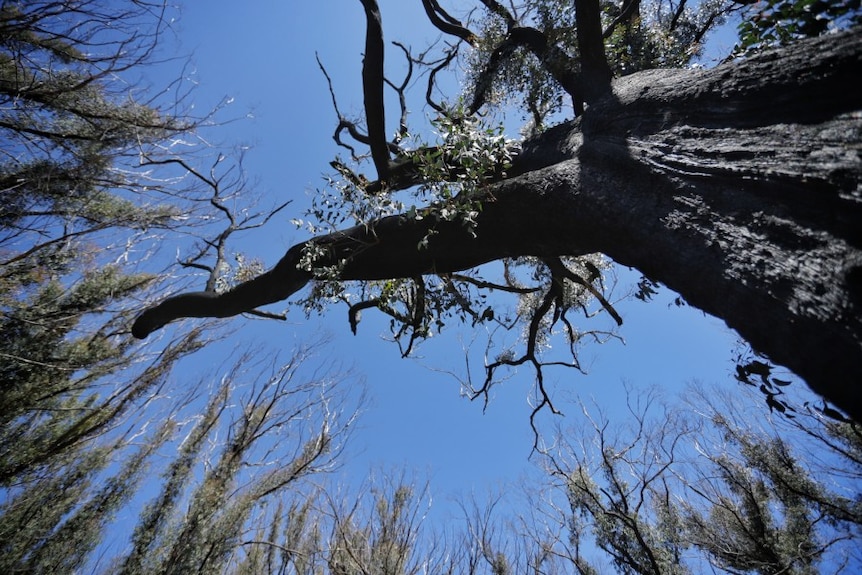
<point>778,22</point>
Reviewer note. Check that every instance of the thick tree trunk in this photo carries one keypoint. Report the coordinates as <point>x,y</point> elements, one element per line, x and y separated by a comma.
<point>738,187</point>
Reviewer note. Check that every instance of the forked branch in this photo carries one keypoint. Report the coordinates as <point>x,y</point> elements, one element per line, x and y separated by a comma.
<point>555,61</point>
<point>446,23</point>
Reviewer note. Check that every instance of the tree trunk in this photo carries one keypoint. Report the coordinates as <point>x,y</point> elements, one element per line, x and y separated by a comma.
<point>738,187</point>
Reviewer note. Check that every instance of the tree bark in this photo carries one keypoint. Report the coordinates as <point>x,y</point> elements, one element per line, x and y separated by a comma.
<point>738,187</point>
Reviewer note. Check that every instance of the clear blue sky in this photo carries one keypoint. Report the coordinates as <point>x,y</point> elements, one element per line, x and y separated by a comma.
<point>262,55</point>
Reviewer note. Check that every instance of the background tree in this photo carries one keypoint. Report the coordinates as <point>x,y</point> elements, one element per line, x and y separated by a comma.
<point>68,133</point>
<point>704,484</point>
<point>90,187</point>
<point>674,172</point>
<point>619,485</point>
<point>767,507</point>
<point>230,476</point>
<point>670,489</point>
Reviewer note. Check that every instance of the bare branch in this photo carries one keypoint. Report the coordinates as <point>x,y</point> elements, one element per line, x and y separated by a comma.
<point>446,23</point>
<point>343,123</point>
<point>451,54</point>
<point>401,89</point>
<point>372,88</point>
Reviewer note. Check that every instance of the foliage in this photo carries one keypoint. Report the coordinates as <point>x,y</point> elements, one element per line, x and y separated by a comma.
<point>638,36</point>
<point>479,148</point>
<point>777,22</point>
<point>90,188</point>
<point>663,490</point>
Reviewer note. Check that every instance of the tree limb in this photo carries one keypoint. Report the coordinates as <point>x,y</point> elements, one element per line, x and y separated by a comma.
<point>595,70</point>
<point>372,88</point>
<point>446,23</point>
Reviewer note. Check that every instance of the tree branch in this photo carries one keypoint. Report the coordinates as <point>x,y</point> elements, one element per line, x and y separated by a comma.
<point>595,71</point>
<point>343,123</point>
<point>554,59</point>
<point>629,8</point>
<point>401,89</point>
<point>372,88</point>
<point>432,75</point>
<point>446,23</point>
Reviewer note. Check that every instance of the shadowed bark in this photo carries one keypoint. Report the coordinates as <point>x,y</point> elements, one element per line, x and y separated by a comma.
<point>738,187</point>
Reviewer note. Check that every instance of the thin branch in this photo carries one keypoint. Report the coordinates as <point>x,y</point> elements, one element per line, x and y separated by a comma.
<point>343,123</point>
<point>551,298</point>
<point>482,284</point>
<point>432,75</point>
<point>555,61</point>
<point>680,10</point>
<point>629,8</point>
<point>403,131</point>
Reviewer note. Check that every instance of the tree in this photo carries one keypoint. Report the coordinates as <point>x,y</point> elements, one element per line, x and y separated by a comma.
<point>229,475</point>
<point>687,487</point>
<point>88,177</point>
<point>776,503</point>
<point>728,185</point>
<point>670,488</point>
<point>69,132</point>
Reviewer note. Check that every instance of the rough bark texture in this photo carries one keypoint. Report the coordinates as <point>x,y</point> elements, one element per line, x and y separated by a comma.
<point>739,187</point>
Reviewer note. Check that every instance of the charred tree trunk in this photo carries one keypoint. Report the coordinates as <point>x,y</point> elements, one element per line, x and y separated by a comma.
<point>738,187</point>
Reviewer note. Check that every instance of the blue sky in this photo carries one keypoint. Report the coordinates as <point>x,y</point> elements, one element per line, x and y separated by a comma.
<point>262,57</point>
